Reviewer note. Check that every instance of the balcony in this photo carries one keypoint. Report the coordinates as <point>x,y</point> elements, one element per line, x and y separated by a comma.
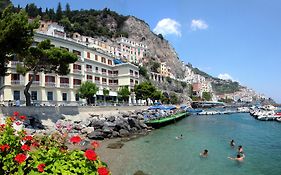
<point>77,71</point>
<point>14,63</point>
<point>37,83</point>
<point>97,82</point>
<point>50,84</point>
<point>89,70</point>
<point>113,84</point>
<point>97,72</point>
<point>76,85</point>
<point>103,73</point>
<point>64,85</point>
<point>132,84</point>
<point>104,83</point>
<point>16,82</point>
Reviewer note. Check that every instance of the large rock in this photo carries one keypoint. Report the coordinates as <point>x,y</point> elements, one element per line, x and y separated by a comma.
<point>87,130</point>
<point>124,133</point>
<point>111,118</point>
<point>142,124</point>
<point>134,123</point>
<point>96,135</point>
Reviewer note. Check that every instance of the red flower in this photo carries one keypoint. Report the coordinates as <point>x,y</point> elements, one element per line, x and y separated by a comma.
<point>2,126</point>
<point>41,167</point>
<point>27,138</point>
<point>90,154</point>
<point>23,117</point>
<point>20,158</point>
<point>18,123</point>
<point>16,113</point>
<point>35,144</point>
<point>103,171</point>
<point>75,139</point>
<point>25,147</point>
<point>4,147</point>
<point>95,144</point>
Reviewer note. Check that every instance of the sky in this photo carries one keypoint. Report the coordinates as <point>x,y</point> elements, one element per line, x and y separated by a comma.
<point>230,39</point>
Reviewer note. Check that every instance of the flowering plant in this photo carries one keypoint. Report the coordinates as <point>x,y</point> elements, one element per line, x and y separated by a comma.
<point>22,154</point>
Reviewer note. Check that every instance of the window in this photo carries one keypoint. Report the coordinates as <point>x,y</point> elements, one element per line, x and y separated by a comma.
<point>76,52</point>
<point>96,58</point>
<point>89,66</point>
<point>136,82</point>
<point>109,62</point>
<point>64,96</point>
<point>88,55</point>
<point>33,95</point>
<point>103,71</point>
<point>50,96</point>
<point>77,66</point>
<point>16,95</point>
<point>89,77</point>
<point>76,97</point>
<point>15,76</point>
<point>104,81</point>
<point>103,60</point>
<point>76,82</point>
<point>37,78</point>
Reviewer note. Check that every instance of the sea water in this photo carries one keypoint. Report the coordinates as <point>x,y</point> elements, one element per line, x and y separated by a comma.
<point>160,153</point>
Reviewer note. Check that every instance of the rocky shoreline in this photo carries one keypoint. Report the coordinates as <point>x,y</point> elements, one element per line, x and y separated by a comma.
<point>97,126</point>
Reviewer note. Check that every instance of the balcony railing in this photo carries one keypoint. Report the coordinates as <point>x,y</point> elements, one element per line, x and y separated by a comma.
<point>104,83</point>
<point>50,84</point>
<point>132,84</point>
<point>19,82</point>
<point>97,72</point>
<point>104,73</point>
<point>64,85</point>
<point>89,70</point>
<point>97,82</point>
<point>36,83</point>
<point>77,71</point>
<point>113,84</point>
<point>14,63</point>
<point>76,85</point>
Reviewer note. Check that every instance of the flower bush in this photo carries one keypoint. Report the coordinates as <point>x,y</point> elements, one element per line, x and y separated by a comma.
<point>22,154</point>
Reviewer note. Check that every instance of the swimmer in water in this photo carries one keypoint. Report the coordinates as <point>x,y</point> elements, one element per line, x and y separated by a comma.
<point>240,149</point>
<point>204,153</point>
<point>238,158</point>
<point>179,137</point>
<point>232,144</point>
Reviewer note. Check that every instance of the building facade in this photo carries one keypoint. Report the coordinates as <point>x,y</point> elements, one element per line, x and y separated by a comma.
<point>52,89</point>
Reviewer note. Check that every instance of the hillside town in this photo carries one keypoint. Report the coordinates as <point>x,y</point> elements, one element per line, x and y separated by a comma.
<point>110,64</point>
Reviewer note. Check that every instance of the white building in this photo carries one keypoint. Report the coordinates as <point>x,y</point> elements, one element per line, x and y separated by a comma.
<point>52,89</point>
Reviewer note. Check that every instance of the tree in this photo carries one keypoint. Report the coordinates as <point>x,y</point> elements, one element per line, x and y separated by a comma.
<point>67,11</point>
<point>156,95</point>
<point>59,12</point>
<point>105,93</point>
<point>44,58</point>
<point>143,72</point>
<point>15,36</point>
<point>155,67</point>
<point>174,98</point>
<point>32,10</point>
<point>207,96</point>
<point>124,93</point>
<point>88,90</point>
<point>4,4</point>
<point>144,91</point>
<point>183,84</point>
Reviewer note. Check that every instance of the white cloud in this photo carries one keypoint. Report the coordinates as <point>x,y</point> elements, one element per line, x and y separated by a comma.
<point>198,24</point>
<point>168,26</point>
<point>225,76</point>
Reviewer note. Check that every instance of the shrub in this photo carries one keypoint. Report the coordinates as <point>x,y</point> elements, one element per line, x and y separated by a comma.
<point>47,154</point>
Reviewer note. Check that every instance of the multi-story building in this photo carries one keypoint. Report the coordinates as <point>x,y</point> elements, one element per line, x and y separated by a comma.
<point>52,89</point>
<point>130,50</point>
<point>165,70</point>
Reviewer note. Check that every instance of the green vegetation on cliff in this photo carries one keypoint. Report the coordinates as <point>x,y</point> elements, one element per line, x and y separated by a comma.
<point>225,87</point>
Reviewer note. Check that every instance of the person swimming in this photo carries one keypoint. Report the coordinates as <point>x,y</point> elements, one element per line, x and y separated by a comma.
<point>238,158</point>
<point>232,144</point>
<point>240,149</point>
<point>179,137</point>
<point>204,153</point>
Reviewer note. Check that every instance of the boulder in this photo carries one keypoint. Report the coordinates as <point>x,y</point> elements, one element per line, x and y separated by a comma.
<point>124,133</point>
<point>134,123</point>
<point>87,130</point>
<point>96,135</point>
<point>110,118</point>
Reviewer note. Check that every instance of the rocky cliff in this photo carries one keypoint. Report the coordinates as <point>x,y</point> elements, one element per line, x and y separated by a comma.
<point>158,48</point>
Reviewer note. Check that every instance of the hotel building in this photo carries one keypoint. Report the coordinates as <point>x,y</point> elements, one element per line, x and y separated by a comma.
<point>52,89</point>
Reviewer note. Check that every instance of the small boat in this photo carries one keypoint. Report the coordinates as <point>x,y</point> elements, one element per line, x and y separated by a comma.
<point>162,121</point>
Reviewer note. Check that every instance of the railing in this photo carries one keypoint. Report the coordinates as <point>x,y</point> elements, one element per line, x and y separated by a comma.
<point>131,74</point>
<point>97,72</point>
<point>50,84</point>
<point>132,84</point>
<point>76,85</point>
<point>104,83</point>
<point>89,70</point>
<point>77,71</point>
<point>19,82</point>
<point>64,85</point>
<point>36,83</point>
<point>104,73</point>
<point>113,84</point>
<point>97,82</point>
<point>14,63</point>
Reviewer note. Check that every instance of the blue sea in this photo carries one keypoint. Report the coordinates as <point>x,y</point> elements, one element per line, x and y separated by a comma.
<point>160,153</point>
